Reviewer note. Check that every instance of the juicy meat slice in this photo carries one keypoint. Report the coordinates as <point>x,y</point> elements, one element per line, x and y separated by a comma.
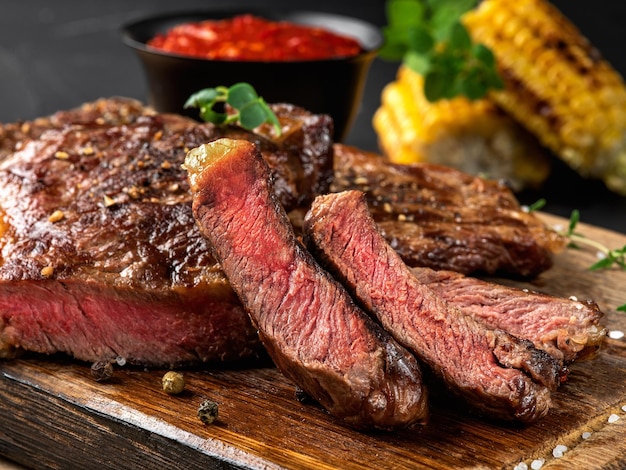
<point>94,321</point>
<point>439,217</point>
<point>567,329</point>
<point>308,323</point>
<point>498,374</point>
<point>100,255</point>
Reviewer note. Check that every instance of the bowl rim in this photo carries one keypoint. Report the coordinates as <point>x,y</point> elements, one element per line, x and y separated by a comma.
<point>129,31</point>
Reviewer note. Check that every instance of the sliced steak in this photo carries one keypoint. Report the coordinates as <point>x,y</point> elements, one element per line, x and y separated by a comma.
<point>310,326</point>
<point>101,256</point>
<point>495,372</point>
<point>568,329</point>
<point>441,218</point>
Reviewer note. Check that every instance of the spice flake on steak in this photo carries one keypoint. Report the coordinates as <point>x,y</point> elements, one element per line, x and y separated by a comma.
<point>308,323</point>
<point>442,218</point>
<point>100,254</point>
<point>497,374</point>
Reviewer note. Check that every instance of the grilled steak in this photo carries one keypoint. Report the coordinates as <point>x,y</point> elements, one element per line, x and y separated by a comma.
<point>441,218</point>
<point>101,256</point>
<point>568,329</point>
<point>97,231</point>
<point>497,373</point>
<point>308,323</point>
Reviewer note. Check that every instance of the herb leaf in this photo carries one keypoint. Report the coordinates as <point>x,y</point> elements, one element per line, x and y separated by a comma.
<point>537,205</point>
<point>250,109</point>
<point>610,257</point>
<point>429,37</point>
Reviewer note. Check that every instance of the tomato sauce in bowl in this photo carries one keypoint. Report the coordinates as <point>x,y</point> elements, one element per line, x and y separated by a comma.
<point>326,74</point>
<point>248,37</point>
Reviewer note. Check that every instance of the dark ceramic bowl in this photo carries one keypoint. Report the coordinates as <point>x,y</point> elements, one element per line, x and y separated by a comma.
<point>331,86</point>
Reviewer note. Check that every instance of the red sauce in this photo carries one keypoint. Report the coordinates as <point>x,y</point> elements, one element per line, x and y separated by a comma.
<point>250,38</point>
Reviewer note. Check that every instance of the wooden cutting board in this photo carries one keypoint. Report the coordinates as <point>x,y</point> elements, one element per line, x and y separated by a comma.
<point>53,414</point>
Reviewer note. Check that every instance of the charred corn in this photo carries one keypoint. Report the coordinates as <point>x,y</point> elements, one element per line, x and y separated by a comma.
<point>474,136</point>
<point>556,85</point>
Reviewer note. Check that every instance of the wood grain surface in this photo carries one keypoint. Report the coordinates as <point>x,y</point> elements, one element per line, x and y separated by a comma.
<point>53,414</point>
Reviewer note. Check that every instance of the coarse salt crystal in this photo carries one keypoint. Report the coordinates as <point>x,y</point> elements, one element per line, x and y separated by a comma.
<point>613,418</point>
<point>586,435</point>
<point>521,466</point>
<point>616,334</point>
<point>624,408</point>
<point>573,298</point>
<point>559,450</point>
<point>121,361</point>
<point>537,464</point>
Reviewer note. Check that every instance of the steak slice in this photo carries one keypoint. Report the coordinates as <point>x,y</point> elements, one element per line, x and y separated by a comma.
<point>495,372</point>
<point>100,254</point>
<point>308,323</point>
<point>567,329</point>
<point>439,217</point>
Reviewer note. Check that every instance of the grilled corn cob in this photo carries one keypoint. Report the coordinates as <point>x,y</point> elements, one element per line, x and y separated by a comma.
<point>557,85</point>
<point>474,136</point>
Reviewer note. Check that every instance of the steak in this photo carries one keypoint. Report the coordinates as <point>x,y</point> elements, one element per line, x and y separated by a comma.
<point>568,329</point>
<point>496,373</point>
<point>101,257</point>
<point>441,218</point>
<point>100,254</point>
<point>308,323</point>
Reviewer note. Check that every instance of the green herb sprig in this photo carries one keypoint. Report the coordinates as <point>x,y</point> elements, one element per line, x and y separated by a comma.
<point>250,110</point>
<point>429,37</point>
<point>611,257</point>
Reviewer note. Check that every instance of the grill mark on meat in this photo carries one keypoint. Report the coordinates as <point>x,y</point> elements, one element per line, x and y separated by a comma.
<point>441,218</point>
<point>310,326</point>
<point>497,373</point>
<point>132,276</point>
<point>567,329</point>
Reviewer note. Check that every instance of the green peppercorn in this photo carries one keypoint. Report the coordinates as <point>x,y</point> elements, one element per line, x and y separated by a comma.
<point>173,382</point>
<point>207,412</point>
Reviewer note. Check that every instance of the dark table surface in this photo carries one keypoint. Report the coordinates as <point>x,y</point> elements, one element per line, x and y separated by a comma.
<point>57,55</point>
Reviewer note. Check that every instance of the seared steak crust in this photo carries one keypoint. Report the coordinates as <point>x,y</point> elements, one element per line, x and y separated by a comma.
<point>441,218</point>
<point>568,329</point>
<point>308,323</point>
<point>497,373</point>
<point>96,214</point>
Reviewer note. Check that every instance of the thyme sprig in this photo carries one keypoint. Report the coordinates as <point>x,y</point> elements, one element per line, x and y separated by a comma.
<point>610,257</point>
<point>250,110</point>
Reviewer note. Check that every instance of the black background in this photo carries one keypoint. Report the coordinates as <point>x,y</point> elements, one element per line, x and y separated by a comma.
<point>58,54</point>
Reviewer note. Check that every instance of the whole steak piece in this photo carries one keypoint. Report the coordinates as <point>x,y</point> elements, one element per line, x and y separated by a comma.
<point>496,373</point>
<point>308,323</point>
<point>100,254</point>
<point>442,218</point>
